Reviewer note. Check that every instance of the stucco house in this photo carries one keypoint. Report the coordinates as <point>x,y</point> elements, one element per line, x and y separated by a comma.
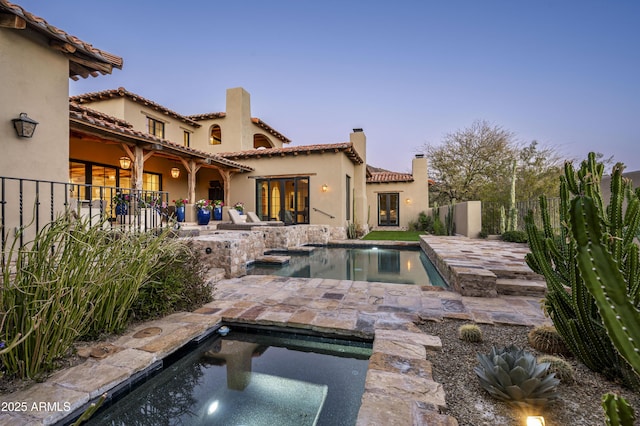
<point>89,146</point>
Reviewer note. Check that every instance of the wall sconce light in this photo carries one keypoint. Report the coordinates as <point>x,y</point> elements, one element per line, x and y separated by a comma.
<point>125,162</point>
<point>325,188</point>
<point>535,421</point>
<point>408,201</point>
<point>175,172</point>
<point>24,125</point>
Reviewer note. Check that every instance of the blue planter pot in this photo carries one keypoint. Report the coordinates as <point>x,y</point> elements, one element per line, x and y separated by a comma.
<point>121,210</point>
<point>217,213</point>
<point>180,213</point>
<point>204,216</point>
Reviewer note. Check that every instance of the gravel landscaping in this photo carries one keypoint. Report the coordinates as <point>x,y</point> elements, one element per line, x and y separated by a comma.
<point>578,404</point>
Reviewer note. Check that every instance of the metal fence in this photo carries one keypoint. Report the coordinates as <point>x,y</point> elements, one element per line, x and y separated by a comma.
<point>27,205</point>
<point>492,216</point>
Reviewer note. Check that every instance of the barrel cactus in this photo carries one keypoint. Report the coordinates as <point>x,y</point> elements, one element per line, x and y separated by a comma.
<point>470,333</point>
<point>513,375</point>
<point>560,367</point>
<point>546,338</point>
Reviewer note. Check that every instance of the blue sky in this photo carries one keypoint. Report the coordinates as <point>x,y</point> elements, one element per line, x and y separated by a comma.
<point>565,73</point>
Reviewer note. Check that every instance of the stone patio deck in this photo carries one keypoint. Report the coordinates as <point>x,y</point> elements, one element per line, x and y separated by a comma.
<point>399,387</point>
<point>485,268</point>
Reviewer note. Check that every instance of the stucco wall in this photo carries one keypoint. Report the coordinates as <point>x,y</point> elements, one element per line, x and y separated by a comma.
<point>414,196</point>
<point>323,169</point>
<point>35,80</point>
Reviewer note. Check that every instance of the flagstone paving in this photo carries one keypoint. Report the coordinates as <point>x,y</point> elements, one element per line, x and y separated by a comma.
<point>399,388</point>
<point>384,312</point>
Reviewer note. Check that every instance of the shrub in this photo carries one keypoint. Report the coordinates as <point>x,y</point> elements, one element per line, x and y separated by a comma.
<point>558,366</point>
<point>546,338</point>
<point>512,375</point>
<point>470,333</point>
<point>177,284</point>
<point>425,222</point>
<point>438,227</point>
<point>72,280</point>
<point>515,236</point>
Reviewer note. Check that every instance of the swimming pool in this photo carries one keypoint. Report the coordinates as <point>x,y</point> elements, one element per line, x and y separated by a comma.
<point>374,264</point>
<point>252,376</point>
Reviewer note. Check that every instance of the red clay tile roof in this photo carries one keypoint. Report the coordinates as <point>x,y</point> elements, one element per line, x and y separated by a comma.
<point>254,120</point>
<point>82,117</point>
<point>346,147</point>
<point>207,116</point>
<point>389,177</point>
<point>121,92</point>
<point>84,59</point>
<point>270,129</point>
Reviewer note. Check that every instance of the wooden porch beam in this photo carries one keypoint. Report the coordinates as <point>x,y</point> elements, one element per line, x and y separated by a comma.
<point>9,20</point>
<point>100,66</point>
<point>62,46</point>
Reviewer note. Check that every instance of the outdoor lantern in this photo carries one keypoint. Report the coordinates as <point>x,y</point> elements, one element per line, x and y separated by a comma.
<point>325,188</point>
<point>24,125</point>
<point>125,162</point>
<point>535,421</point>
<point>175,172</point>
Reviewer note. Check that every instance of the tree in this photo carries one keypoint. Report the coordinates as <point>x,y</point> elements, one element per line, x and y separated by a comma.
<point>469,161</point>
<point>476,163</point>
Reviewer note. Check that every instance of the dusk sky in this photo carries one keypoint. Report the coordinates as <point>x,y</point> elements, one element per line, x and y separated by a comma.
<point>565,73</point>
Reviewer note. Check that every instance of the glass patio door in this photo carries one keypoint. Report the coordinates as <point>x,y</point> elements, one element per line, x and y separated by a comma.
<point>283,199</point>
<point>388,209</point>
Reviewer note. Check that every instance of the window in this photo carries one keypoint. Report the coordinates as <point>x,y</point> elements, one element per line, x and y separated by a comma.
<point>151,181</point>
<point>348,185</point>
<point>388,209</point>
<point>156,128</point>
<point>261,141</point>
<point>285,199</point>
<point>215,137</point>
<point>85,173</point>
<point>186,138</point>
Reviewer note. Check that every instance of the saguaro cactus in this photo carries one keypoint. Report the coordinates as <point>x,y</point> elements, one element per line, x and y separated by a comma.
<point>570,304</point>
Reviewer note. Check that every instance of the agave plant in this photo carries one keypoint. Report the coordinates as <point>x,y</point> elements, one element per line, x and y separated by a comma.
<point>513,375</point>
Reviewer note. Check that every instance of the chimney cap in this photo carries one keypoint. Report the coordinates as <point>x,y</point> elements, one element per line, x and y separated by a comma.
<point>357,130</point>
<point>419,155</point>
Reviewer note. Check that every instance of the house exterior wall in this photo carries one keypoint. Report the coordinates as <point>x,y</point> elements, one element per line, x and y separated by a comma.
<point>414,196</point>
<point>323,169</point>
<point>35,80</point>
<point>237,128</point>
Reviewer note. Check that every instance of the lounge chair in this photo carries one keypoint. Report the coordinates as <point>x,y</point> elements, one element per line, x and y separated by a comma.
<point>252,220</point>
<point>235,217</point>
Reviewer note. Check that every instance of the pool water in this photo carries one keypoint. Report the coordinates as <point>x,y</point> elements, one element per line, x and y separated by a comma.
<point>389,265</point>
<point>252,377</point>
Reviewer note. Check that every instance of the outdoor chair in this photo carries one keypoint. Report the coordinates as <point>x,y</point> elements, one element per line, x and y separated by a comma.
<point>253,218</point>
<point>235,217</point>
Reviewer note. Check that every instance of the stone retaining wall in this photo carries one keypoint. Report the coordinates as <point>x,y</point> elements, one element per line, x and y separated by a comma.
<point>465,278</point>
<point>232,250</point>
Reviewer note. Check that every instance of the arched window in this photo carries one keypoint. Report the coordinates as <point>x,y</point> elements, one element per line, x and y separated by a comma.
<point>215,137</point>
<point>261,141</point>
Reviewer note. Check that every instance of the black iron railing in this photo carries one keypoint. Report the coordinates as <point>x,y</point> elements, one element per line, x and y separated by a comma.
<point>26,205</point>
<point>494,213</point>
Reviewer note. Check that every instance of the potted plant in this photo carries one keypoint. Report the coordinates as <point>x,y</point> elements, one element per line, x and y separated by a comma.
<point>122,203</point>
<point>239,206</point>
<point>217,209</point>
<point>204,208</point>
<point>180,206</point>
